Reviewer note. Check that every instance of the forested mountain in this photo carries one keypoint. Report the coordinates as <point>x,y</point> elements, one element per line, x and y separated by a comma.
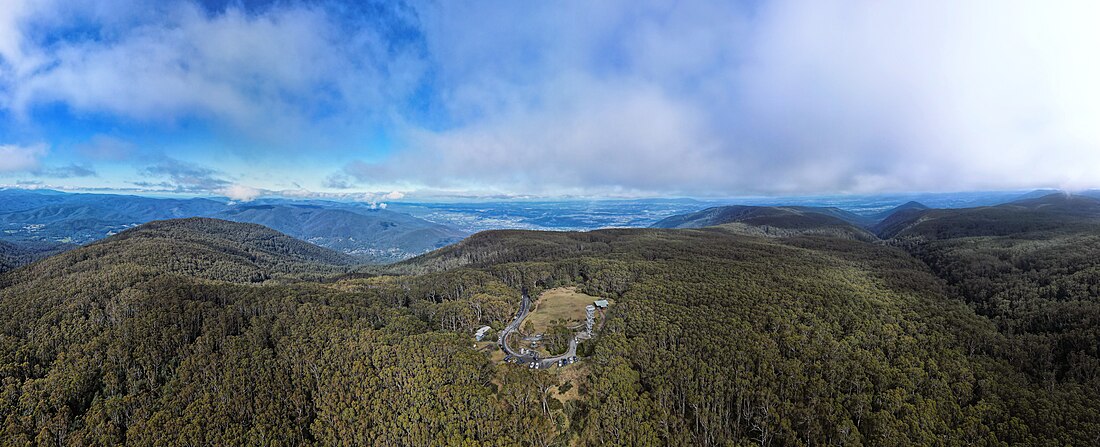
<point>156,336</point>
<point>1054,212</point>
<point>782,221</point>
<point>858,220</point>
<point>199,247</point>
<point>906,207</point>
<point>208,332</point>
<point>376,235</point>
<point>1032,267</point>
<point>897,221</point>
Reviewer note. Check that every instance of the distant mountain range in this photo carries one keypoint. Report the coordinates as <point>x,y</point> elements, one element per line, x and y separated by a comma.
<point>1033,212</point>
<point>372,235</point>
<point>56,220</point>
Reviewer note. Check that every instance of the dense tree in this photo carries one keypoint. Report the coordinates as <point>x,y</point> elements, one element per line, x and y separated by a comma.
<point>195,332</point>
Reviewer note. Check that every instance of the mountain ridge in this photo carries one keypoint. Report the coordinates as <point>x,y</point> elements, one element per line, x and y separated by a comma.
<point>373,235</point>
<point>1049,212</point>
<point>769,221</point>
<point>199,247</point>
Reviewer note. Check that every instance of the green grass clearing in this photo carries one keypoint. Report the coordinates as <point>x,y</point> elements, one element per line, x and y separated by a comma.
<point>563,303</point>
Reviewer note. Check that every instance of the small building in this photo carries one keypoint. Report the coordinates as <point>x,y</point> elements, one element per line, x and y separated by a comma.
<point>602,304</point>
<point>480,334</point>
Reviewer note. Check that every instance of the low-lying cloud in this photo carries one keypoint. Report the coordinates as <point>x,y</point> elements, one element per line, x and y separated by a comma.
<point>241,193</point>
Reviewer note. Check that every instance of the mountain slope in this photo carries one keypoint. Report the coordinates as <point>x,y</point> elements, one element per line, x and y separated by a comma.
<point>858,220</point>
<point>1033,268</point>
<point>770,221</point>
<point>1054,212</point>
<point>893,221</point>
<point>375,235</point>
<point>128,342</point>
<point>17,253</point>
<point>199,247</point>
<point>905,207</point>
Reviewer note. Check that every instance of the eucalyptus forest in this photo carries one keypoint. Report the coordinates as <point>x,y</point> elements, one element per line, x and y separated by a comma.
<point>207,332</point>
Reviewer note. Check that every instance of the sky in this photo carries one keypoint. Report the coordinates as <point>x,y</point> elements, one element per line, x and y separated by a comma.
<point>632,98</point>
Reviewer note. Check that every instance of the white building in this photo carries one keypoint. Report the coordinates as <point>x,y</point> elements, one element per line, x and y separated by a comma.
<point>480,334</point>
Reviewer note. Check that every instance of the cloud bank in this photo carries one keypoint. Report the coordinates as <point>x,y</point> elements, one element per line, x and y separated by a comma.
<point>616,97</point>
<point>793,97</point>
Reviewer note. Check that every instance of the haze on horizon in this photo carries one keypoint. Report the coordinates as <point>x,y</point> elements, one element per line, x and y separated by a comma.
<point>384,100</point>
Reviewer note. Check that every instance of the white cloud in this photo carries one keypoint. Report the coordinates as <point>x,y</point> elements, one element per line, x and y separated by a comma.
<point>923,95</point>
<point>593,134</point>
<point>11,39</point>
<point>792,97</point>
<point>15,158</point>
<point>268,76</point>
<point>613,97</point>
<point>241,193</point>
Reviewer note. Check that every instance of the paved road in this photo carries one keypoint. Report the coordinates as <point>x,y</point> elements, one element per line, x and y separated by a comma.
<point>524,309</point>
<point>526,359</point>
<point>572,351</point>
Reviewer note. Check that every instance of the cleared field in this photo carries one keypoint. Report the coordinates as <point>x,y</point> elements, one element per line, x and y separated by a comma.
<point>558,304</point>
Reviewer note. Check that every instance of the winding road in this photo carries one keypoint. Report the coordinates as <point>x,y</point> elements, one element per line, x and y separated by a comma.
<point>524,310</point>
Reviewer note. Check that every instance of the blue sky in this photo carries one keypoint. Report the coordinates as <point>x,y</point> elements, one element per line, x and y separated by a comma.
<point>572,98</point>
